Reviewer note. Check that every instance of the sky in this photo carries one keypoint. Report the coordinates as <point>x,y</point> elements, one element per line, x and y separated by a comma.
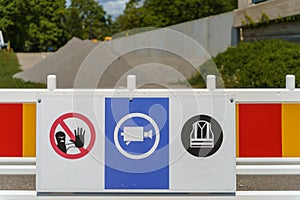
<point>112,7</point>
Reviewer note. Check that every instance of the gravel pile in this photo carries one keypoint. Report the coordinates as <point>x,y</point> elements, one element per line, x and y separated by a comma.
<point>27,60</point>
<point>64,63</point>
<point>85,64</point>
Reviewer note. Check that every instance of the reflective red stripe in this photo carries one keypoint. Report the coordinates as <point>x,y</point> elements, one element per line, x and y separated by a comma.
<point>11,130</point>
<point>260,130</point>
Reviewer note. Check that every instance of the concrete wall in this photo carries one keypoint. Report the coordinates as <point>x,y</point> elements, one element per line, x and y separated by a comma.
<point>244,3</point>
<point>273,9</point>
<point>214,33</point>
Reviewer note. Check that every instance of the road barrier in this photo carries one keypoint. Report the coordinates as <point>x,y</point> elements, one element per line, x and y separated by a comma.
<point>272,127</point>
<point>266,130</point>
<point>266,119</point>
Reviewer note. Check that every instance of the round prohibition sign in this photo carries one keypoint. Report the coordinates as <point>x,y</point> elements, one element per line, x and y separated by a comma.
<point>60,121</point>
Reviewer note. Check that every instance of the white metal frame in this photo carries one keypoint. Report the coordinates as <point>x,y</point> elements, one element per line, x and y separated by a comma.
<point>240,195</point>
<point>17,166</point>
<point>244,166</point>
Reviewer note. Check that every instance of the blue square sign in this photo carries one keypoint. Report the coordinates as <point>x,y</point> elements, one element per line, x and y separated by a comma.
<point>137,143</point>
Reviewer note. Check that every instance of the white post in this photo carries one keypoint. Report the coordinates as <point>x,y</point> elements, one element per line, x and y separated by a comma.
<point>211,82</point>
<point>131,82</point>
<point>51,82</point>
<point>290,82</point>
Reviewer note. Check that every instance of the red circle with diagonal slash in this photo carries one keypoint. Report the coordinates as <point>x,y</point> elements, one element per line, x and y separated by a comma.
<point>60,121</point>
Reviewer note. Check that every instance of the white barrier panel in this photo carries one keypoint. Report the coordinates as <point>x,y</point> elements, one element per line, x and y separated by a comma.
<point>157,142</point>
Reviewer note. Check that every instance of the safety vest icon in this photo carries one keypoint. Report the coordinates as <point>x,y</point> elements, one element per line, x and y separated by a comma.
<point>201,135</point>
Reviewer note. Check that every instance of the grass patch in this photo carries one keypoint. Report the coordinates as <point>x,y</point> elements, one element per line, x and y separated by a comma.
<point>8,67</point>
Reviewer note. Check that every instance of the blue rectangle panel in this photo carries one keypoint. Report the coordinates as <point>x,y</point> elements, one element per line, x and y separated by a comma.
<point>137,143</point>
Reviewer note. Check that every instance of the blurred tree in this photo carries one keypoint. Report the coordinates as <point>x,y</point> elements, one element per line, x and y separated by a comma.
<point>36,25</point>
<point>45,24</point>
<point>13,22</point>
<point>32,25</point>
<point>73,24</point>
<point>86,19</point>
<point>161,13</point>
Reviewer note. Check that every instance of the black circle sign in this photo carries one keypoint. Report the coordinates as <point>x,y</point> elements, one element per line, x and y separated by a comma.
<point>202,136</point>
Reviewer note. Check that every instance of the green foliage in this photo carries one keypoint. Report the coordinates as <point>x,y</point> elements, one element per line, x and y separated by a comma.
<point>264,20</point>
<point>8,67</point>
<point>32,25</point>
<point>208,68</point>
<point>85,19</point>
<point>260,64</point>
<point>45,24</point>
<point>249,21</point>
<point>13,21</point>
<point>161,13</point>
<point>36,25</point>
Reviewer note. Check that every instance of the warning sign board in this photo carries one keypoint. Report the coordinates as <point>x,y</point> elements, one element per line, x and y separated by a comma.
<point>158,142</point>
<point>58,138</point>
<point>69,144</point>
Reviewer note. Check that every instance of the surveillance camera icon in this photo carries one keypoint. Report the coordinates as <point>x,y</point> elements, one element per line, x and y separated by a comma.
<point>135,134</point>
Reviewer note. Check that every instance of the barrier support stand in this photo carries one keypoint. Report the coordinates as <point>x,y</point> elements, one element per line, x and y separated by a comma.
<point>51,82</point>
<point>211,82</point>
<point>131,85</point>
<point>290,82</point>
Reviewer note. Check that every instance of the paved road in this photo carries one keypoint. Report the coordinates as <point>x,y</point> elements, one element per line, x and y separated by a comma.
<point>268,183</point>
<point>17,182</point>
<point>244,183</point>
